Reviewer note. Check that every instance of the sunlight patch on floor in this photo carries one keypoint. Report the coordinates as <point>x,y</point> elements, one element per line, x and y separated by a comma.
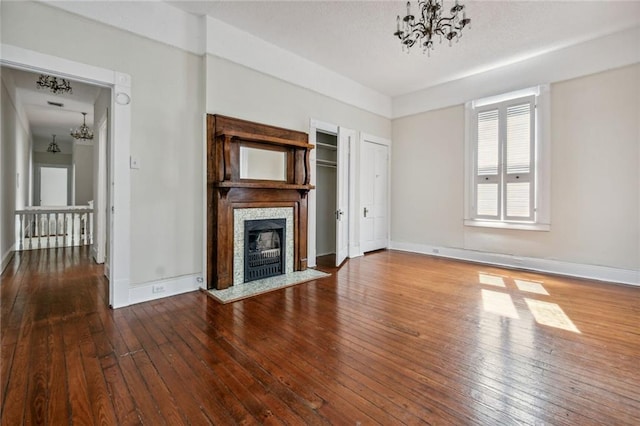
<point>550,314</point>
<point>531,287</point>
<point>493,280</point>
<point>499,303</point>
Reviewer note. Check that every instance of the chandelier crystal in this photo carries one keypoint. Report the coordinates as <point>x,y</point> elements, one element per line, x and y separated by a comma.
<point>430,23</point>
<point>52,83</point>
<point>53,146</point>
<point>82,132</point>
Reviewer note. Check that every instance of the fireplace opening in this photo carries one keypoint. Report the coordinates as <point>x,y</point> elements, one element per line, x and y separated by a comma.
<point>264,248</point>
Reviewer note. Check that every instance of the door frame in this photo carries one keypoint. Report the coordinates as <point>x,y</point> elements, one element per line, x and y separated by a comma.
<point>100,193</point>
<point>364,137</point>
<point>120,127</point>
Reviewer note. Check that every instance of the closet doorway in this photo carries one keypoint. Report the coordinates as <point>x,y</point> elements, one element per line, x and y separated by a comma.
<point>327,215</point>
<point>329,219</point>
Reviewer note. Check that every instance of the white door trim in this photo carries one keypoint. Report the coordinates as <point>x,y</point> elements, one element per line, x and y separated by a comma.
<point>100,196</point>
<point>120,85</point>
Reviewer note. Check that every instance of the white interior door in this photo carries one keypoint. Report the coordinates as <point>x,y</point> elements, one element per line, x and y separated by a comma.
<point>54,186</point>
<point>342,194</point>
<point>374,197</point>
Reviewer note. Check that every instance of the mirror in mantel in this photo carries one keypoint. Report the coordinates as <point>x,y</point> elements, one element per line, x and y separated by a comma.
<point>263,164</point>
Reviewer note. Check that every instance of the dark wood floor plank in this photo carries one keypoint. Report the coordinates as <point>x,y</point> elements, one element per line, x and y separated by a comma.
<point>146,406</point>
<point>101,403</point>
<point>389,338</point>
<point>57,407</point>
<point>187,402</point>
<point>78,397</point>
<point>123,403</point>
<point>166,404</point>
<point>13,407</point>
<point>37,395</point>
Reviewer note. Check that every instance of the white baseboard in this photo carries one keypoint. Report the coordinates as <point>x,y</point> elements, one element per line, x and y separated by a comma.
<point>170,287</point>
<point>6,258</point>
<point>594,272</point>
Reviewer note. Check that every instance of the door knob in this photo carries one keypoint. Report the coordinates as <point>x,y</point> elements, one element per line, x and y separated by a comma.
<point>366,210</point>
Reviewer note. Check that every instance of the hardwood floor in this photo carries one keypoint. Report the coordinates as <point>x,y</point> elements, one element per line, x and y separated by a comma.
<point>390,338</point>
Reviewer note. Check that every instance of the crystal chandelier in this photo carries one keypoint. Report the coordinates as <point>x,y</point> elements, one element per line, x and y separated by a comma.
<point>430,23</point>
<point>82,132</point>
<point>53,146</point>
<point>52,83</point>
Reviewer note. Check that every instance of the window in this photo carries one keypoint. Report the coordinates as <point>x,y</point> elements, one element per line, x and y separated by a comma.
<point>507,164</point>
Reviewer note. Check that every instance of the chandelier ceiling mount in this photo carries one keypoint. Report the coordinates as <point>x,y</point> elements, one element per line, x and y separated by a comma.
<point>431,23</point>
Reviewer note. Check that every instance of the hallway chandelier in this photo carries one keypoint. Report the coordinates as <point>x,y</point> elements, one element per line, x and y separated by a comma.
<point>52,83</point>
<point>82,132</point>
<point>430,23</point>
<point>53,146</point>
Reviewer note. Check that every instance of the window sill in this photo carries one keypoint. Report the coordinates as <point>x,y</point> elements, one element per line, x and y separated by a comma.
<point>508,225</point>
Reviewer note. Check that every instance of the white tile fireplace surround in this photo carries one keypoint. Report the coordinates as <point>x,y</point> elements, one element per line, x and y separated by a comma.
<point>242,215</point>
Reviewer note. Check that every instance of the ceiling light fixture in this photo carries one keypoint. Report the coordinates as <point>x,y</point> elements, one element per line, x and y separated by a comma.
<point>82,132</point>
<point>52,83</point>
<point>430,23</point>
<point>53,146</point>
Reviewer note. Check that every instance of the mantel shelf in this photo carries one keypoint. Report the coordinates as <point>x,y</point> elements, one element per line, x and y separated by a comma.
<point>273,140</point>
<point>262,185</point>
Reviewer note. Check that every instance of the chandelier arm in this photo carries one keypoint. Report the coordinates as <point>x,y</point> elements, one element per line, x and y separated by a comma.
<point>419,33</point>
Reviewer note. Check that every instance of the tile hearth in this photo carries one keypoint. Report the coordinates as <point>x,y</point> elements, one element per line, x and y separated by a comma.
<point>254,288</point>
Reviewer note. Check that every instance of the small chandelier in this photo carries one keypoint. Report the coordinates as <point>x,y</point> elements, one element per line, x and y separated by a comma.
<point>430,23</point>
<point>52,83</point>
<point>53,146</point>
<point>82,132</point>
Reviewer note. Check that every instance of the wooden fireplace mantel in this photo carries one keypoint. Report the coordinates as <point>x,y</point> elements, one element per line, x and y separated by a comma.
<point>227,191</point>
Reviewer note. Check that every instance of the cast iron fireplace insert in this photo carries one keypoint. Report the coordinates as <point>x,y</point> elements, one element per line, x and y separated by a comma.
<point>264,248</point>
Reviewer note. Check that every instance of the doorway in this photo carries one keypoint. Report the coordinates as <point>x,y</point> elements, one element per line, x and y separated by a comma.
<point>119,85</point>
<point>326,193</point>
<point>330,204</point>
<point>52,186</point>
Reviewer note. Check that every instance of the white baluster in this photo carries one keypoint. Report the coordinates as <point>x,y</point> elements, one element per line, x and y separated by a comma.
<point>58,230</point>
<point>21,231</point>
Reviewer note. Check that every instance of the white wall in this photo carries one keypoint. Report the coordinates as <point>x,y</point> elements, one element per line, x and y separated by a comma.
<point>241,92</point>
<point>167,106</point>
<point>7,175</point>
<point>83,161</point>
<point>595,139</point>
<point>50,158</point>
<point>15,146</point>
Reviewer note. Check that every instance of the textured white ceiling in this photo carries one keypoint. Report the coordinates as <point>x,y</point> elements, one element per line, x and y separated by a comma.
<point>355,38</point>
<point>46,120</point>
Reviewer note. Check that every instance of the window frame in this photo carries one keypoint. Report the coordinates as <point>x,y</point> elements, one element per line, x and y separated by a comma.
<point>540,170</point>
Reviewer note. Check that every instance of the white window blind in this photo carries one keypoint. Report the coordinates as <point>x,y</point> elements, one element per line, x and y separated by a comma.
<point>504,184</point>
